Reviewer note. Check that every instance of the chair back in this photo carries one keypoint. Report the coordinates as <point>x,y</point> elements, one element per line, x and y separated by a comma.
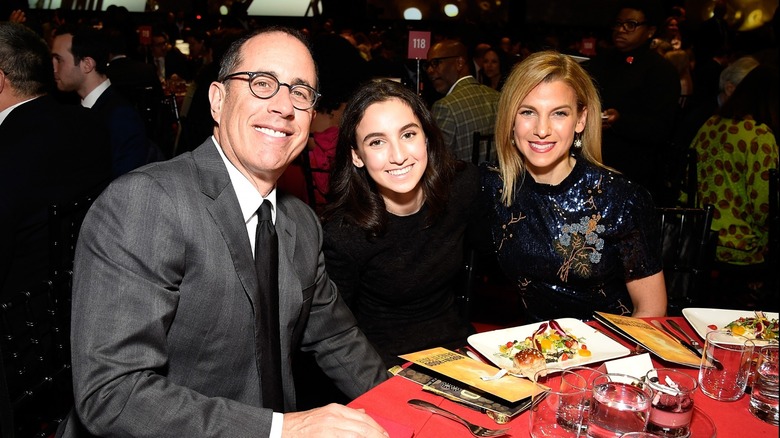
<point>36,390</point>
<point>691,180</point>
<point>477,149</point>
<point>688,250</point>
<point>465,291</point>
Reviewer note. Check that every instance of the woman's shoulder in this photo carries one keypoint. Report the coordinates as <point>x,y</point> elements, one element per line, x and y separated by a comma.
<point>340,234</point>
<point>490,174</point>
<point>615,186</point>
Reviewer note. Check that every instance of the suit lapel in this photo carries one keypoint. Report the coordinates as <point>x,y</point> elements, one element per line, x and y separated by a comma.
<point>226,213</point>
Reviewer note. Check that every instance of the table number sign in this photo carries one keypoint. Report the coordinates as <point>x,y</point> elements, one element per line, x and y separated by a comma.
<point>419,43</point>
<point>145,35</point>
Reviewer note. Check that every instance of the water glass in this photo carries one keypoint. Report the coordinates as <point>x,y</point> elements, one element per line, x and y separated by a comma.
<point>763,398</point>
<point>672,407</point>
<point>725,365</point>
<point>589,374</point>
<point>619,404</point>
<point>557,411</point>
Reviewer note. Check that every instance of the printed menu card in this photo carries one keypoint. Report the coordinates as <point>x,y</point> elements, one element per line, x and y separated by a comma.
<point>469,371</point>
<point>654,340</point>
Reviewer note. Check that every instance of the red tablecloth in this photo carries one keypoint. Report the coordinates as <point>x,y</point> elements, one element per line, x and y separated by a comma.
<point>388,401</point>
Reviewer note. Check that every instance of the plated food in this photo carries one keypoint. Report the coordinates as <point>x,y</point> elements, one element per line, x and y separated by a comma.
<point>560,344</point>
<point>550,343</point>
<point>754,327</point>
<point>762,329</point>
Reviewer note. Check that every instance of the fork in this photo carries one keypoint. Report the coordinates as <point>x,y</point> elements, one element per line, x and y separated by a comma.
<point>475,429</point>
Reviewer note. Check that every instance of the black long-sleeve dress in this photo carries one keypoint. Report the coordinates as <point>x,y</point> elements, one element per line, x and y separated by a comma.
<point>402,286</point>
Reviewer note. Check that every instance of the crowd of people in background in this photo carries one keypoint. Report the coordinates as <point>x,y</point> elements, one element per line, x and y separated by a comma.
<point>659,78</point>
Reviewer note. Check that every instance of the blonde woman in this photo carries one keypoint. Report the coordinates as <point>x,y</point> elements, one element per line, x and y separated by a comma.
<point>576,236</point>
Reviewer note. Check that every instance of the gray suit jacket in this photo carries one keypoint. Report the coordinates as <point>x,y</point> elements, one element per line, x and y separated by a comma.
<point>164,304</point>
<point>470,107</point>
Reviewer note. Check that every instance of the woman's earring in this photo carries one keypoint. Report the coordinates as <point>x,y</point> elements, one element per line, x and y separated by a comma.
<point>578,140</point>
<point>512,141</point>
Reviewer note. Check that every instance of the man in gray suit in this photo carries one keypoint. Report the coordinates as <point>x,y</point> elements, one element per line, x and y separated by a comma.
<point>467,106</point>
<point>165,331</point>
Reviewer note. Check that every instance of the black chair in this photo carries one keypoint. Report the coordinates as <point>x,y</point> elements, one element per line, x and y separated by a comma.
<point>690,182</point>
<point>465,293</point>
<point>688,248</point>
<point>476,148</point>
<point>35,385</point>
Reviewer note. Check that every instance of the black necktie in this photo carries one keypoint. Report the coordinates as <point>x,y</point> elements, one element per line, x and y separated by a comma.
<point>267,265</point>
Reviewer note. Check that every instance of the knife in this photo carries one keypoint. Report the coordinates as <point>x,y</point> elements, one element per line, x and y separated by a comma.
<point>685,344</point>
<point>691,341</point>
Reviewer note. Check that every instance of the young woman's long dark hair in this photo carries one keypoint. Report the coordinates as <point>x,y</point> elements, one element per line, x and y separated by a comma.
<point>354,197</point>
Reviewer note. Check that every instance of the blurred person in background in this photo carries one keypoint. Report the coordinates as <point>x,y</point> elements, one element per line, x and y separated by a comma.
<point>735,150</point>
<point>467,105</point>
<point>51,153</point>
<point>640,91</point>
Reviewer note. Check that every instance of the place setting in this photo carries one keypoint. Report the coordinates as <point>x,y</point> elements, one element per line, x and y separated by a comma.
<point>575,380</point>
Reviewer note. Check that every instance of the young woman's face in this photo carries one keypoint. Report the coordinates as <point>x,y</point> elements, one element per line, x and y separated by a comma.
<point>544,130</point>
<point>392,146</point>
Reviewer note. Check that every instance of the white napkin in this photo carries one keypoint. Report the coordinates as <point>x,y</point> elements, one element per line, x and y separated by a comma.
<point>634,366</point>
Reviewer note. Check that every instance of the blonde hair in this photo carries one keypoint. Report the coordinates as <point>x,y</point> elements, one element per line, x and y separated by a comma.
<point>546,66</point>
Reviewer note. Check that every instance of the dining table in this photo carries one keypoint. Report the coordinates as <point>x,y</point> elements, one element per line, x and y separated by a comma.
<point>387,403</point>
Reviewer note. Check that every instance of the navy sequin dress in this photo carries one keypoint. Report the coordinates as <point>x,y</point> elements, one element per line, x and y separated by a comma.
<point>572,247</point>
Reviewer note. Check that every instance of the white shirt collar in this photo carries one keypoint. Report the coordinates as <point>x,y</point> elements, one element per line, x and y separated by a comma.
<point>249,199</point>
<point>456,83</point>
<point>4,113</point>
<point>89,100</point>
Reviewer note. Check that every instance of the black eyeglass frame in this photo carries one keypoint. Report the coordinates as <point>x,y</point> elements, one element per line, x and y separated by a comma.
<point>251,75</point>
<point>434,62</point>
<point>633,24</point>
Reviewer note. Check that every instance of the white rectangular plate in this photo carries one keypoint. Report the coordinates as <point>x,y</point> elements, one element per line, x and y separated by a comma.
<point>700,319</point>
<point>601,346</point>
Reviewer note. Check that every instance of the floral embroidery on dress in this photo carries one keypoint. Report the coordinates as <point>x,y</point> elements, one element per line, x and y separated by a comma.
<point>507,234</point>
<point>579,245</point>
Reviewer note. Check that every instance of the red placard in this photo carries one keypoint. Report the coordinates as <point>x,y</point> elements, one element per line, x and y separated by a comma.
<point>145,35</point>
<point>419,43</point>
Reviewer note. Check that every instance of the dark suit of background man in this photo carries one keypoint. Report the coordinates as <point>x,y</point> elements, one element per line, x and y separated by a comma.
<point>165,313</point>
<point>80,58</point>
<point>640,90</point>
<point>467,105</point>
<point>48,153</point>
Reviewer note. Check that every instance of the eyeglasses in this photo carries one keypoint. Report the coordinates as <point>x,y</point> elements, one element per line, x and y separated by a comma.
<point>434,62</point>
<point>265,86</point>
<point>628,26</point>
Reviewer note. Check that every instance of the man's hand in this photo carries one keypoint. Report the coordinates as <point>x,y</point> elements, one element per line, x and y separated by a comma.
<point>17,16</point>
<point>332,420</point>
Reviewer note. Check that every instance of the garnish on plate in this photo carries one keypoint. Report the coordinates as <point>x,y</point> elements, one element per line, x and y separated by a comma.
<point>755,327</point>
<point>554,344</point>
